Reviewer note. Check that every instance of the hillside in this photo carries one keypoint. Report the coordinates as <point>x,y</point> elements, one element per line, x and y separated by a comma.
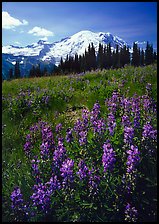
<point>28,103</point>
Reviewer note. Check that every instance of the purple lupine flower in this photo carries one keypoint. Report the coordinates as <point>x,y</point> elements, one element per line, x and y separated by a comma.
<point>78,126</point>
<point>69,136</point>
<point>112,102</point>
<point>27,148</point>
<point>85,116</point>
<point>99,126</point>
<point>137,119</point>
<point>54,183</point>
<point>41,197</point>
<point>34,128</point>
<point>83,137</point>
<point>95,112</point>
<point>130,213</point>
<point>93,182</point>
<point>133,158</point>
<point>126,120</point>
<point>111,123</point>
<point>136,111</point>
<point>128,135</point>
<point>17,199</point>
<point>59,154</point>
<point>58,128</point>
<point>146,102</point>
<point>115,97</point>
<point>67,172</point>
<point>45,99</point>
<point>44,150</point>
<point>35,168</point>
<point>108,158</point>
<point>83,170</point>
<point>47,136</point>
<point>149,132</point>
<point>125,103</point>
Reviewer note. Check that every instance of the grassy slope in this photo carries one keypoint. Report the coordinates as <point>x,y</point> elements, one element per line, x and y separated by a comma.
<point>68,96</point>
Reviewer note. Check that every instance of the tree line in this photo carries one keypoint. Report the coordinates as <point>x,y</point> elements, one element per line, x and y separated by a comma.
<point>107,59</point>
<point>104,59</point>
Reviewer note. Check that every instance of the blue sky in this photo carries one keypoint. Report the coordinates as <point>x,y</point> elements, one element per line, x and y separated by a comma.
<point>25,23</point>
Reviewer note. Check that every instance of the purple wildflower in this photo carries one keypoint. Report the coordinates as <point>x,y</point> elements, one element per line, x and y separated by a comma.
<point>35,168</point>
<point>133,158</point>
<point>85,116</point>
<point>83,170</point>
<point>69,136</point>
<point>58,128</point>
<point>149,132</point>
<point>78,126</point>
<point>128,135</point>
<point>126,120</point>
<point>108,158</point>
<point>93,182</point>
<point>27,148</point>
<point>59,154</point>
<point>111,123</point>
<point>130,213</point>
<point>67,172</point>
<point>95,112</point>
<point>17,199</point>
<point>44,150</point>
<point>41,197</point>
<point>125,103</point>
<point>83,137</point>
<point>54,183</point>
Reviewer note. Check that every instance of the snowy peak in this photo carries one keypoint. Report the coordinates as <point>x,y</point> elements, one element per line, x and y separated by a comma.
<point>76,43</point>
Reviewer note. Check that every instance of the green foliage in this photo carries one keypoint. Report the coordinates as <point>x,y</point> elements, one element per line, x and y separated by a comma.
<point>67,97</point>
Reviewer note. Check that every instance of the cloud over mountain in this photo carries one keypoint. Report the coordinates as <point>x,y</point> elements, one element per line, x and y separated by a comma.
<point>9,22</point>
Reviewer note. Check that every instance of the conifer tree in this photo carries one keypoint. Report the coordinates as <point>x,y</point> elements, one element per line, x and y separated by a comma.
<point>149,54</point>
<point>135,55</point>
<point>17,70</point>
<point>154,56</point>
<point>93,57</point>
<point>100,56</point>
<point>142,58</point>
<point>10,73</point>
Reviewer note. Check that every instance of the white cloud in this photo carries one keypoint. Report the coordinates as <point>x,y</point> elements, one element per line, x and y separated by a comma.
<point>38,31</point>
<point>9,22</point>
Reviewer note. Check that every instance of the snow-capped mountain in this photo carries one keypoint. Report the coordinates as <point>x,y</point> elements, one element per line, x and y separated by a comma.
<point>45,52</point>
<point>78,42</point>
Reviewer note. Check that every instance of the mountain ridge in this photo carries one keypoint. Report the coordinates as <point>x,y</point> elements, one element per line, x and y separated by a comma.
<point>45,53</point>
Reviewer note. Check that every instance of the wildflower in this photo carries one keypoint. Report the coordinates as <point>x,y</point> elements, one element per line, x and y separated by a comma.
<point>17,199</point>
<point>149,132</point>
<point>41,197</point>
<point>27,148</point>
<point>59,154</point>
<point>108,158</point>
<point>128,135</point>
<point>67,172</point>
<point>69,136</point>
<point>59,128</point>
<point>130,213</point>
<point>35,167</point>
<point>126,120</point>
<point>133,158</point>
<point>54,183</point>
<point>83,170</point>
<point>93,182</point>
<point>111,123</point>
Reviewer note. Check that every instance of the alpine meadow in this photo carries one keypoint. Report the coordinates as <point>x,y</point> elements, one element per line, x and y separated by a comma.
<point>79,115</point>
